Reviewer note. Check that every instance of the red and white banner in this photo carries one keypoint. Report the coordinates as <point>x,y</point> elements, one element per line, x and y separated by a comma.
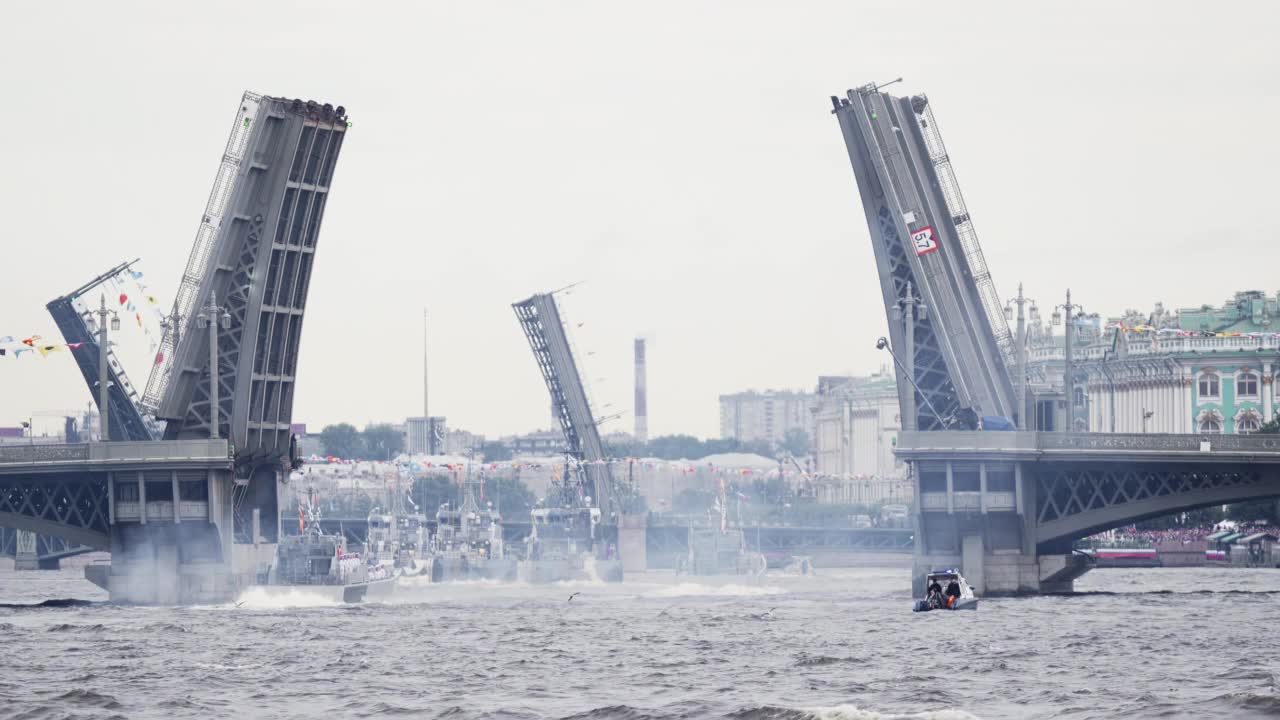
<point>924,240</point>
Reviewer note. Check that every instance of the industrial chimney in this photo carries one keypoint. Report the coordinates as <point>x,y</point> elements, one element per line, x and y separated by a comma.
<point>642,413</point>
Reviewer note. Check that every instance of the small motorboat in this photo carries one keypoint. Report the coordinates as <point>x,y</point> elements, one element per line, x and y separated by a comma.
<point>942,601</point>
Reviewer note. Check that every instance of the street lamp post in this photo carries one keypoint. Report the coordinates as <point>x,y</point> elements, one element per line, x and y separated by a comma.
<point>106,319</point>
<point>909,309</point>
<point>1021,353</point>
<point>209,318</point>
<point>1069,380</point>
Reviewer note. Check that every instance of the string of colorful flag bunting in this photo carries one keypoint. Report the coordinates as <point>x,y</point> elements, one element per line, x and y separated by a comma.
<point>1175,332</point>
<point>129,295</point>
<point>681,467</point>
<point>12,347</point>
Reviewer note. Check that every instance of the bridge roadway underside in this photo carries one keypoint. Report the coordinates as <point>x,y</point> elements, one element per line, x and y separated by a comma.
<point>163,509</point>
<point>1007,506</point>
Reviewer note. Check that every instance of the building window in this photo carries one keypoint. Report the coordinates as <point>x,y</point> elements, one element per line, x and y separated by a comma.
<point>1247,425</point>
<point>1247,385</point>
<point>1210,426</point>
<point>1079,397</point>
<point>1208,386</point>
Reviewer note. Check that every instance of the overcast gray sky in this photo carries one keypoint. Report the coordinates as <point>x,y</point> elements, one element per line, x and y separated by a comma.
<point>678,156</point>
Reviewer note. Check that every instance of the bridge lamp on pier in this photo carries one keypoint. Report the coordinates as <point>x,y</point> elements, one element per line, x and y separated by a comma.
<point>106,319</point>
<point>1061,312</point>
<point>1020,351</point>
<point>910,310</point>
<point>211,317</point>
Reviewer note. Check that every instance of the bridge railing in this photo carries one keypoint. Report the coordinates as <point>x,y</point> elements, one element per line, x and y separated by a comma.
<point>213,450</point>
<point>1143,347</point>
<point>1032,444</point>
<point>25,454</point>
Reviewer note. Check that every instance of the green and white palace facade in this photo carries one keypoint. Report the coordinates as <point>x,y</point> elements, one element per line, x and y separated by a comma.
<point>1200,370</point>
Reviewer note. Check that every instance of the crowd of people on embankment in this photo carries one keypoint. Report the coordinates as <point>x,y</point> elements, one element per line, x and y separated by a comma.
<point>1131,536</point>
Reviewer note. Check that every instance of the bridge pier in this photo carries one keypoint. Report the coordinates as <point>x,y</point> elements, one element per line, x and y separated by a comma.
<point>174,517</point>
<point>633,544</point>
<point>179,540</point>
<point>25,557</point>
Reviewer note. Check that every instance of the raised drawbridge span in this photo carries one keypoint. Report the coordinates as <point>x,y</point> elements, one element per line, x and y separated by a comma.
<point>540,319</point>
<point>198,503</point>
<point>1003,505</point>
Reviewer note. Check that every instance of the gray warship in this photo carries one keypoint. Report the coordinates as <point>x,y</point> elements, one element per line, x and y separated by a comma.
<point>566,541</point>
<point>467,544</point>
<point>720,550</point>
<point>316,564</point>
<point>397,536</point>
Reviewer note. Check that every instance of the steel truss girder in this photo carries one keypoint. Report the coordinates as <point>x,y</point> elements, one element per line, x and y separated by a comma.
<point>1065,492</point>
<point>75,502</point>
<point>932,378</point>
<point>1076,500</point>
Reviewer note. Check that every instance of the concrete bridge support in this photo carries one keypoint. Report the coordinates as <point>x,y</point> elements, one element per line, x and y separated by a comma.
<point>179,526</point>
<point>633,544</point>
<point>181,549</point>
<point>25,558</point>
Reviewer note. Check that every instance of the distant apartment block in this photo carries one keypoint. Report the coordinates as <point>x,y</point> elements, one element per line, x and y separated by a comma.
<point>768,416</point>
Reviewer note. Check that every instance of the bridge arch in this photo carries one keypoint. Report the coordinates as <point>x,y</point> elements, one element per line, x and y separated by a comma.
<point>1075,502</point>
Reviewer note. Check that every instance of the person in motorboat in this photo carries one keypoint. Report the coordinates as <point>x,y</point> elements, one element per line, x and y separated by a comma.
<point>953,592</point>
<point>934,594</point>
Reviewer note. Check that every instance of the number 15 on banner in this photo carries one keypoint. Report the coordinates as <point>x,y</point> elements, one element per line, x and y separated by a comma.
<point>924,241</point>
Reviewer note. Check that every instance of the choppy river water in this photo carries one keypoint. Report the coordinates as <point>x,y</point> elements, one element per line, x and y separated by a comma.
<point>843,644</point>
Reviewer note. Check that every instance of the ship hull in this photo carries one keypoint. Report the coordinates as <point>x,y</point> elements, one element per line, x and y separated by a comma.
<point>569,570</point>
<point>375,591</point>
<point>452,569</point>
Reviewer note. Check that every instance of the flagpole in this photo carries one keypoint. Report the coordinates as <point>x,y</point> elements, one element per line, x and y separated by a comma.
<point>426,408</point>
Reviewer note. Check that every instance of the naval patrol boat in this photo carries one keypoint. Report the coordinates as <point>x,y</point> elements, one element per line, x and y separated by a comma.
<point>566,541</point>
<point>318,565</point>
<point>467,544</point>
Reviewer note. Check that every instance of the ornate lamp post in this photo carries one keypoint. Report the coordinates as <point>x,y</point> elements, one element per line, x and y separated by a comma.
<point>1069,380</point>
<point>100,326</point>
<point>1021,351</point>
<point>908,310</point>
<point>209,318</point>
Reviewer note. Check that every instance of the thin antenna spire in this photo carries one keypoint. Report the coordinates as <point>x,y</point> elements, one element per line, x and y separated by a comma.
<point>426,406</point>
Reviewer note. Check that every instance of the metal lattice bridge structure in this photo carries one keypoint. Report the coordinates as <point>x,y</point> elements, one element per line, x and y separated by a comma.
<point>540,319</point>
<point>224,375</point>
<point>1004,505</point>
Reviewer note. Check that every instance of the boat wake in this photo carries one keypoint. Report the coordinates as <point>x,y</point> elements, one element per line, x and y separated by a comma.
<point>259,598</point>
<point>694,590</point>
